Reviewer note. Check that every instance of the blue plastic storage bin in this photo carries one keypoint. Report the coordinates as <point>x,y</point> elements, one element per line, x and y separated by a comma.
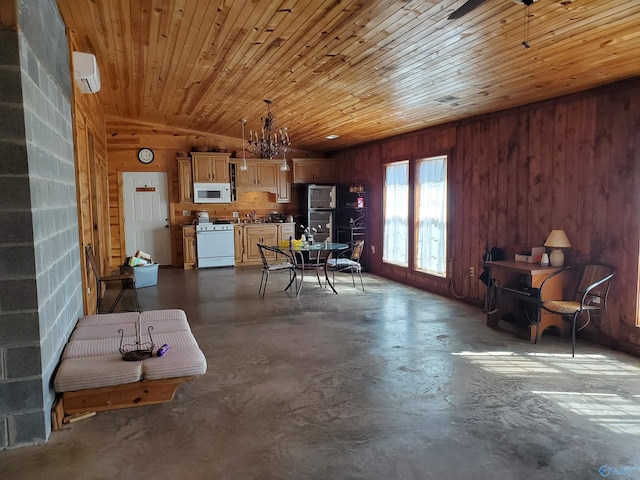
<point>146,275</point>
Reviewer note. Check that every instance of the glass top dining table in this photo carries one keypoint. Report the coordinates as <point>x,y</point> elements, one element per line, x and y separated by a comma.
<point>317,263</point>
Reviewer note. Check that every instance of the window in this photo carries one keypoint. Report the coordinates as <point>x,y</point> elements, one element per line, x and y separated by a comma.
<point>415,226</point>
<point>396,214</point>
<point>431,216</point>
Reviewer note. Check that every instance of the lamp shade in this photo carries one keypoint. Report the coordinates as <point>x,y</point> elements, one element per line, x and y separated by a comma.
<point>557,239</point>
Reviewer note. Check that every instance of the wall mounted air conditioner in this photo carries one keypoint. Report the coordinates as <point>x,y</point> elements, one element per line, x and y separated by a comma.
<point>86,73</point>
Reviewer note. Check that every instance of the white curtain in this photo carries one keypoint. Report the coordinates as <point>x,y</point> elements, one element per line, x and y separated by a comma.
<point>396,214</point>
<point>431,195</point>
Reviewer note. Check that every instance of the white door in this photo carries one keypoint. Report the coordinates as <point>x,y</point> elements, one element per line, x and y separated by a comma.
<point>146,215</point>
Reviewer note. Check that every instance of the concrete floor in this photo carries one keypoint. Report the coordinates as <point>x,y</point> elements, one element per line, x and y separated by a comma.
<point>392,383</point>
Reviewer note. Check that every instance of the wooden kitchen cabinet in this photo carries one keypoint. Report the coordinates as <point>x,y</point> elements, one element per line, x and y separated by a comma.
<point>246,178</point>
<point>260,176</point>
<point>286,230</point>
<point>238,243</point>
<point>210,167</point>
<point>308,170</point>
<point>254,234</point>
<point>283,186</point>
<point>267,174</point>
<point>185,180</point>
<point>189,247</point>
<point>247,237</point>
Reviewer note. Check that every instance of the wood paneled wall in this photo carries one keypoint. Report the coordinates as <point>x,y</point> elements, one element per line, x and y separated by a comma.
<point>91,183</point>
<point>8,17</point>
<point>571,163</point>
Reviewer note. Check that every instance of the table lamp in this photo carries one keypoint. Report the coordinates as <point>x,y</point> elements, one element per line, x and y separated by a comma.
<point>557,239</point>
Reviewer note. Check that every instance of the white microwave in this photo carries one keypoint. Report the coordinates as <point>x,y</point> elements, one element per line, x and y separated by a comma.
<point>211,193</point>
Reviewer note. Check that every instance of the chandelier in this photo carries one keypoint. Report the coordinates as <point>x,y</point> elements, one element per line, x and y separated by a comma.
<point>269,142</point>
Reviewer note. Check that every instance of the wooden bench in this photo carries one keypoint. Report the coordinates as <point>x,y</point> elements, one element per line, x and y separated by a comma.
<point>93,377</point>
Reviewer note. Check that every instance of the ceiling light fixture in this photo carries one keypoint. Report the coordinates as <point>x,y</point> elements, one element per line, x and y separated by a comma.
<point>243,165</point>
<point>271,141</point>
<point>332,136</point>
<point>527,4</point>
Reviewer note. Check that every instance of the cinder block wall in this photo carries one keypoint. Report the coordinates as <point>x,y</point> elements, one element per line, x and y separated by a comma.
<point>40,283</point>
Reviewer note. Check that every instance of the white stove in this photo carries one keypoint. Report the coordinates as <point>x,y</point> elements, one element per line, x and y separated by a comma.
<point>215,244</point>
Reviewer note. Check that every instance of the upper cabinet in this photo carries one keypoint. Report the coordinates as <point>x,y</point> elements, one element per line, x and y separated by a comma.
<point>260,176</point>
<point>313,170</point>
<point>185,180</point>
<point>263,175</point>
<point>266,174</point>
<point>283,186</point>
<point>210,167</point>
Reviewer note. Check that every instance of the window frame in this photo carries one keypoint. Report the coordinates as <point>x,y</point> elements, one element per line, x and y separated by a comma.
<point>413,163</point>
<point>406,162</point>
<point>444,217</point>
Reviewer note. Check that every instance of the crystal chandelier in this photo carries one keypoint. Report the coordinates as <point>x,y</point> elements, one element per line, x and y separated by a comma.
<point>269,142</point>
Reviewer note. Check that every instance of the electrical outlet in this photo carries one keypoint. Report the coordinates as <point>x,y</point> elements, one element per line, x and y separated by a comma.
<point>373,249</point>
<point>472,272</point>
<point>236,214</point>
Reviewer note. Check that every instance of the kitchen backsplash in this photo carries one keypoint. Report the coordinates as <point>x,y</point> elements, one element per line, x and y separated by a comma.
<point>262,203</point>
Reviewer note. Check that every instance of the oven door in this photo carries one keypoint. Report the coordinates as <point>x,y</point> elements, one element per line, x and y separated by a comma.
<point>215,248</point>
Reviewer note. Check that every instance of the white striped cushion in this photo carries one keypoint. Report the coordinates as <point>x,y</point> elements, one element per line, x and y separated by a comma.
<point>94,327</point>
<point>109,319</point>
<point>162,315</point>
<point>91,358</point>
<point>95,347</point>
<point>111,346</point>
<point>102,331</point>
<point>174,339</point>
<point>94,372</point>
<point>164,326</point>
<point>177,362</point>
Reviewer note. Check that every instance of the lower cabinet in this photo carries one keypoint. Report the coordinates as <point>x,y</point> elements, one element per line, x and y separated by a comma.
<point>286,230</point>
<point>189,247</point>
<point>255,234</point>
<point>248,236</point>
<point>238,242</point>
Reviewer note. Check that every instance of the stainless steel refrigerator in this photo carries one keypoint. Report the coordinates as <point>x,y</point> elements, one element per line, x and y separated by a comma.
<point>319,211</point>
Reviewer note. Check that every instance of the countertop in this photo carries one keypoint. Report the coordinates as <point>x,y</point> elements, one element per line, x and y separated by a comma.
<point>242,224</point>
<point>248,224</point>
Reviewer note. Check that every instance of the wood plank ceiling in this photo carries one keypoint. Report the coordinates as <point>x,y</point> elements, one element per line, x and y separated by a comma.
<point>360,69</point>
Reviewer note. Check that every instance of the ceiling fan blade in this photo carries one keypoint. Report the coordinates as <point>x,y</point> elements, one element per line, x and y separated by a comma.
<point>465,8</point>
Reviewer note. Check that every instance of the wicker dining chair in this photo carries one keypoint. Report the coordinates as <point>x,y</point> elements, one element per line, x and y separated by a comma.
<point>348,261</point>
<point>270,266</point>
<point>588,300</point>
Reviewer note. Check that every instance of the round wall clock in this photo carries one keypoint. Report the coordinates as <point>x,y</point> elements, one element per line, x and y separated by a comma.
<point>145,155</point>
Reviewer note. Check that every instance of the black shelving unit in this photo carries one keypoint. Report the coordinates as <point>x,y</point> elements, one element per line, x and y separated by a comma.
<point>352,218</point>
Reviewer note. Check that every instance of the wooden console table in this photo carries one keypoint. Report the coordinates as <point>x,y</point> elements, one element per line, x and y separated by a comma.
<point>518,282</point>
